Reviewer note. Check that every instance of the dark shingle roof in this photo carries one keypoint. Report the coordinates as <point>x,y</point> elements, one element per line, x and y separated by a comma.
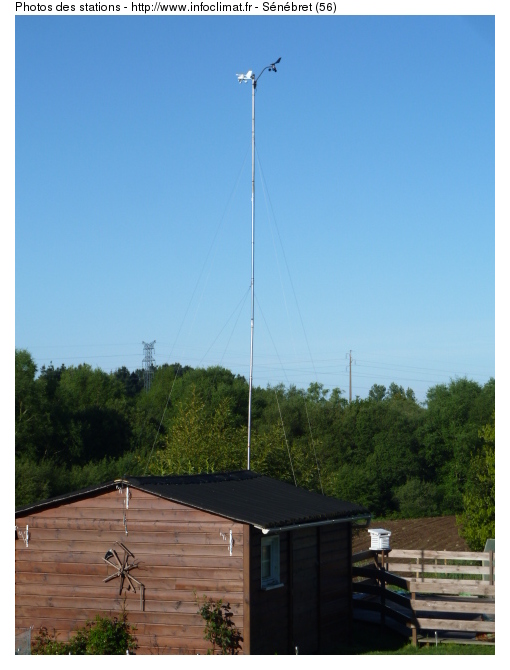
<point>245,496</point>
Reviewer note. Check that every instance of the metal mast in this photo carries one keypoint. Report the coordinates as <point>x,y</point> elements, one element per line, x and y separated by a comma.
<point>148,364</point>
<point>249,76</point>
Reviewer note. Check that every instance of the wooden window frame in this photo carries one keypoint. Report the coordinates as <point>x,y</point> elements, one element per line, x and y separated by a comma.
<point>272,580</point>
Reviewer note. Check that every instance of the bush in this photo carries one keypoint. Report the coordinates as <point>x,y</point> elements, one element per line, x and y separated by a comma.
<point>478,521</point>
<point>219,628</point>
<point>101,636</point>
<point>45,643</point>
<point>417,499</point>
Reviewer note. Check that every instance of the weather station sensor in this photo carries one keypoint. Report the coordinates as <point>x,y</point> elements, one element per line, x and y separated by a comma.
<point>380,539</point>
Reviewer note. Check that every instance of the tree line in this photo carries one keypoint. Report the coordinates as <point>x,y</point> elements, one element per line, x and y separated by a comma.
<point>79,426</point>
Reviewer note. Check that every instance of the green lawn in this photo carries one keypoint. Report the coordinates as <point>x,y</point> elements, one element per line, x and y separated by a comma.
<point>369,639</point>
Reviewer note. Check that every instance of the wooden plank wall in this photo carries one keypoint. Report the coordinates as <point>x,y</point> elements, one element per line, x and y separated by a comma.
<point>59,576</point>
<point>313,608</point>
<point>305,590</point>
<point>269,610</point>
<point>335,585</point>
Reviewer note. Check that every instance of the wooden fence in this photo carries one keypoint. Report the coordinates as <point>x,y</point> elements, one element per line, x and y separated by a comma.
<point>421,592</point>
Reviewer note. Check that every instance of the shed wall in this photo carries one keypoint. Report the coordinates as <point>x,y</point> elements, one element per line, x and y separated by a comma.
<point>335,613</point>
<point>59,577</point>
<point>269,610</point>
<point>312,609</point>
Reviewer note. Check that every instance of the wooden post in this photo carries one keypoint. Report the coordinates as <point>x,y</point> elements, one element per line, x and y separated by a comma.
<point>422,565</point>
<point>382,581</point>
<point>414,631</point>
<point>491,568</point>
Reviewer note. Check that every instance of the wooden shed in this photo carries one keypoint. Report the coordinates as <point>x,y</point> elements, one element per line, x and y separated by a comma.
<point>280,555</point>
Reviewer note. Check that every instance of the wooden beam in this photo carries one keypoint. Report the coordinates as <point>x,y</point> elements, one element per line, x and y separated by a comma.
<point>456,624</point>
<point>450,555</point>
<point>454,587</point>
<point>476,606</point>
<point>363,555</point>
<point>440,569</point>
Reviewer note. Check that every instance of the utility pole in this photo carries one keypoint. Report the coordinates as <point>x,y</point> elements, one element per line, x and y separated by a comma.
<point>350,373</point>
<point>350,376</point>
<point>148,364</point>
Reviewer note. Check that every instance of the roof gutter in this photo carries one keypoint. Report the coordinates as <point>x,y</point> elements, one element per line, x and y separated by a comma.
<point>314,524</point>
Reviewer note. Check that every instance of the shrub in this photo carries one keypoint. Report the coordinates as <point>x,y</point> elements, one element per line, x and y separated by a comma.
<point>417,499</point>
<point>46,643</point>
<point>110,636</point>
<point>101,636</point>
<point>219,627</point>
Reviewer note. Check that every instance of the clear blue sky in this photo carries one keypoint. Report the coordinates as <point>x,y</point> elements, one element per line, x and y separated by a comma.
<point>375,207</point>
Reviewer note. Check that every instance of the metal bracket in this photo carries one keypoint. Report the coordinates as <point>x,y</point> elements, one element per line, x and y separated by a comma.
<point>23,534</point>
<point>231,541</point>
<point>120,489</point>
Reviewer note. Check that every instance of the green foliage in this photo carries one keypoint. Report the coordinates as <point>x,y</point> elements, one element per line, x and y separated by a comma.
<point>417,498</point>
<point>110,636</point>
<point>450,435</point>
<point>77,427</point>
<point>46,643</point>
<point>373,639</point>
<point>101,636</point>
<point>28,424</point>
<point>478,520</point>
<point>33,481</point>
<point>377,392</point>
<point>220,630</point>
<point>197,444</point>
<point>38,481</point>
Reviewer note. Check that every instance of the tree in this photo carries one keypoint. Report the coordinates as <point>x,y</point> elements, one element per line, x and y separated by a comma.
<point>316,393</point>
<point>133,381</point>
<point>417,498</point>
<point>197,444</point>
<point>478,520</point>
<point>377,392</point>
<point>27,404</point>
<point>450,436</point>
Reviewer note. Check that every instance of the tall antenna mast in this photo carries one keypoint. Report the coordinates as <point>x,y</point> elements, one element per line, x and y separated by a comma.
<point>148,364</point>
<point>249,76</point>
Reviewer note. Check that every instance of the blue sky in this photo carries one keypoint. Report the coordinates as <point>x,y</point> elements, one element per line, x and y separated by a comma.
<point>375,205</point>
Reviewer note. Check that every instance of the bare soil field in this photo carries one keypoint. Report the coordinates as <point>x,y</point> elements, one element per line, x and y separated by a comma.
<point>436,533</point>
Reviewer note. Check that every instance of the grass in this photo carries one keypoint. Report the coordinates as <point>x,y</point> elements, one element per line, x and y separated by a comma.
<point>369,639</point>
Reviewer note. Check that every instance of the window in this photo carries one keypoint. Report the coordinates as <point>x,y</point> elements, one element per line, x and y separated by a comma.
<point>270,562</point>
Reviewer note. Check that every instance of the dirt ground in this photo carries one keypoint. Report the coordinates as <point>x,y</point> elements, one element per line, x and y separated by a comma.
<point>435,533</point>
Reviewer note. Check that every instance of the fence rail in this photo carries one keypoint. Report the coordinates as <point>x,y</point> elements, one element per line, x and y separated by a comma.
<point>441,591</point>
